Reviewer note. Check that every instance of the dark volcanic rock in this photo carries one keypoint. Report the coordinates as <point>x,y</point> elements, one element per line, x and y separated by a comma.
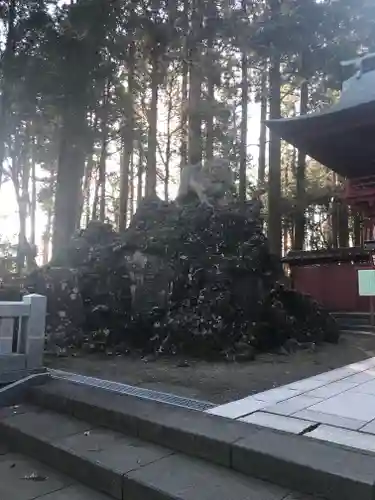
<point>96,277</point>
<point>186,279</point>
<point>86,246</point>
<point>65,308</point>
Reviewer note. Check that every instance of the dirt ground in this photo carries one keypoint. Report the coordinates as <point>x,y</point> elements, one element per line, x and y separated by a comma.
<point>220,382</point>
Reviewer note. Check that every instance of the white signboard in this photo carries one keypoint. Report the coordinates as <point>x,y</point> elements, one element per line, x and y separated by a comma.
<point>366,282</point>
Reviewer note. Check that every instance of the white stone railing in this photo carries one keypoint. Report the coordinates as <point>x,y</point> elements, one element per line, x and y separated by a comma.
<point>22,328</point>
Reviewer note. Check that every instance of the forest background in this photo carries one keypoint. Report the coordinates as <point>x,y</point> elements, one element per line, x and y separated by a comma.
<point>102,102</point>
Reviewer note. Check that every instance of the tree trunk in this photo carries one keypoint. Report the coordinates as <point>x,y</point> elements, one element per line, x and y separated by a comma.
<point>103,153</point>
<point>184,90</point>
<point>47,237</point>
<point>334,224</point>
<point>357,230</point>
<point>343,225</point>
<point>286,235</point>
<point>86,192</point>
<point>125,163</point>
<point>299,224</point>
<point>33,197</point>
<point>285,221</point>
<point>127,143</point>
<point>131,186</point>
<point>195,85</point>
<point>168,144</point>
<point>102,178</point>
<point>184,105</point>
<point>87,188</point>
<point>244,118</point>
<point>152,129</point>
<point>21,179</point>
<point>22,239</point>
<point>274,190</point>
<point>95,203</point>
<point>263,129</point>
<point>334,212</point>
<point>140,177</point>
<point>209,146</point>
<point>4,98</point>
<point>70,170</point>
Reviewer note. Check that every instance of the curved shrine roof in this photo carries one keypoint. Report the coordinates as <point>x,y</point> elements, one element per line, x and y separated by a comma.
<point>341,137</point>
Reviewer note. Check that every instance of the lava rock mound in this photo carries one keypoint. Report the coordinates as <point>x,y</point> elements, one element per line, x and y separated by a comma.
<point>186,279</point>
<point>88,290</point>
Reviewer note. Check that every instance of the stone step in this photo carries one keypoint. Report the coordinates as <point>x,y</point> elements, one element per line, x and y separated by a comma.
<point>292,461</point>
<point>124,467</point>
<point>22,478</point>
<point>358,323</point>
<point>352,317</point>
<point>356,331</point>
<point>351,325</point>
<point>356,328</point>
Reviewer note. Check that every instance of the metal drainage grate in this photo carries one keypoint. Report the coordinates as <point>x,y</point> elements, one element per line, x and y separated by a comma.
<point>109,385</point>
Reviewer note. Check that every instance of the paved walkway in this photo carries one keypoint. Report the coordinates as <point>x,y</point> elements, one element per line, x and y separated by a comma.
<point>22,478</point>
<point>337,406</point>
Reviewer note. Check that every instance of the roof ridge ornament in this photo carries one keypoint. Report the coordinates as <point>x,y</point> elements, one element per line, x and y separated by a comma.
<point>359,68</point>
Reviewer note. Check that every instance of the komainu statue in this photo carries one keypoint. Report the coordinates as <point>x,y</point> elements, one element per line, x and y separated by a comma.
<point>211,182</point>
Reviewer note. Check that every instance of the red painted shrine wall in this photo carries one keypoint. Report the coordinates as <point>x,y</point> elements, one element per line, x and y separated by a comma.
<point>334,285</point>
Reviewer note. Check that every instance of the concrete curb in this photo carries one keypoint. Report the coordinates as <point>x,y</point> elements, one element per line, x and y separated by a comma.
<point>303,464</point>
<point>194,433</point>
<point>291,461</point>
<point>12,393</point>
